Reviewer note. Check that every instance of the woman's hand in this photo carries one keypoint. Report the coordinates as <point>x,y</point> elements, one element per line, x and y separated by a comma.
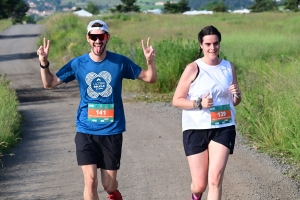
<point>234,89</point>
<point>207,102</point>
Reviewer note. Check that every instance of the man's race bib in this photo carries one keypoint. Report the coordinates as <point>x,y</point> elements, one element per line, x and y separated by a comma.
<point>220,114</point>
<point>100,112</point>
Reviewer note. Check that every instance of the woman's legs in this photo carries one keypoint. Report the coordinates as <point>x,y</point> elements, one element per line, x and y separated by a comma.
<point>199,170</point>
<point>218,156</point>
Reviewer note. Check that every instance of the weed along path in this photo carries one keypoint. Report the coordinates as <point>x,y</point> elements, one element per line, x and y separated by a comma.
<point>153,166</point>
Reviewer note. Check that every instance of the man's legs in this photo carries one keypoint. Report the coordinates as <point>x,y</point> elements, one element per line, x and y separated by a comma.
<point>106,152</point>
<point>109,180</point>
<point>90,182</point>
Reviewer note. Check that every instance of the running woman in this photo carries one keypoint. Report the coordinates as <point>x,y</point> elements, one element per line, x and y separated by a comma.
<point>207,93</point>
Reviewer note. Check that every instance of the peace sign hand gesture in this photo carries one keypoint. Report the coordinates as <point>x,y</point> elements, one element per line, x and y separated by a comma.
<point>43,52</point>
<point>149,52</point>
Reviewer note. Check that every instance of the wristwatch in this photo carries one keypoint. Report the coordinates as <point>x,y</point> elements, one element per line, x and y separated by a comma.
<point>44,67</point>
<point>238,95</point>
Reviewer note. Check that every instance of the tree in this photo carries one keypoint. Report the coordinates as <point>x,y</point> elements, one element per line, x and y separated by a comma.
<point>127,6</point>
<point>92,8</point>
<point>230,4</point>
<point>216,7</point>
<point>292,5</point>
<point>263,5</point>
<point>220,7</point>
<point>19,11</point>
<point>182,6</point>
<point>179,7</point>
<point>170,7</point>
<point>14,9</point>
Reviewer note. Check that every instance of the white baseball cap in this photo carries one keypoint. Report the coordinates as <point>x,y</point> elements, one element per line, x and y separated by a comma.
<point>104,26</point>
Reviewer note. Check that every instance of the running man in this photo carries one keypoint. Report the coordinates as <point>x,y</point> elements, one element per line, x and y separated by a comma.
<point>100,119</point>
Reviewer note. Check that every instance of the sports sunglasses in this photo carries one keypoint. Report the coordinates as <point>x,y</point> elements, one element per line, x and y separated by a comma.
<point>101,37</point>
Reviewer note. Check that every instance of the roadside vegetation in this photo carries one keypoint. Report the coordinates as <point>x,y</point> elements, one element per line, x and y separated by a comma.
<point>10,122</point>
<point>10,119</point>
<point>5,23</point>
<point>264,51</point>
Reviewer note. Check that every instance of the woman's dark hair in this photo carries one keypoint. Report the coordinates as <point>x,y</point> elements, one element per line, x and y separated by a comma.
<point>208,30</point>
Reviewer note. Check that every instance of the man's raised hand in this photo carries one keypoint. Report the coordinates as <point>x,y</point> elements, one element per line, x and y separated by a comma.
<point>43,52</point>
<point>149,52</point>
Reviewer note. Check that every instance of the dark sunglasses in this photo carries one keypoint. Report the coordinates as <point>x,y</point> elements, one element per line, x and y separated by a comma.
<point>101,37</point>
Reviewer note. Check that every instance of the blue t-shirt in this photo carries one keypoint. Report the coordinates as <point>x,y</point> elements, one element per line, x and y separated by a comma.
<point>100,85</point>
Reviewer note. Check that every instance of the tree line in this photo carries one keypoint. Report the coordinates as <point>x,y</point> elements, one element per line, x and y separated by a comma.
<point>213,5</point>
<point>16,9</point>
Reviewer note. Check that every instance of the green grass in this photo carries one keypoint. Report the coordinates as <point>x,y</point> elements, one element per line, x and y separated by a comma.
<point>5,23</point>
<point>10,122</point>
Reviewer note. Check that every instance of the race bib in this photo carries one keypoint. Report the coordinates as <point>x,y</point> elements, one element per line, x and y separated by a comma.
<point>100,112</point>
<point>220,114</point>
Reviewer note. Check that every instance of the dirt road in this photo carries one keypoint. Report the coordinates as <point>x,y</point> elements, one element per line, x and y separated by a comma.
<point>153,164</point>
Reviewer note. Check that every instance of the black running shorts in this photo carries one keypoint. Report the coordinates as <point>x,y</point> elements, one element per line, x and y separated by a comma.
<point>196,141</point>
<point>102,150</point>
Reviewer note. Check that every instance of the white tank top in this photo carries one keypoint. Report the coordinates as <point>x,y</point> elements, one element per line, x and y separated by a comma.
<point>215,80</point>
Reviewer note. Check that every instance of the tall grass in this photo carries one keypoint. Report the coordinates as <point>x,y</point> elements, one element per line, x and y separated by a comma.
<point>270,110</point>
<point>10,118</point>
<point>264,51</point>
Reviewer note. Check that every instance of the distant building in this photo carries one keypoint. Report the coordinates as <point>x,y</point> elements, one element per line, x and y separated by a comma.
<point>66,9</point>
<point>47,12</point>
<point>198,12</point>
<point>155,11</point>
<point>243,11</point>
<point>83,13</point>
<point>159,3</point>
<point>32,5</point>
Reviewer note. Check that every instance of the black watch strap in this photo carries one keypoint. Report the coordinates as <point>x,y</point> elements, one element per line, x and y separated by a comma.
<point>44,67</point>
<point>199,103</point>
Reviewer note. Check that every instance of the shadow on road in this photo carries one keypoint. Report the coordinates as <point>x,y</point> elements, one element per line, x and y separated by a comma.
<point>18,36</point>
<point>38,95</point>
<point>17,56</point>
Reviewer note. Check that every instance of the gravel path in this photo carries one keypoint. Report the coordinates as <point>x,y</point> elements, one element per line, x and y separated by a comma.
<point>153,165</point>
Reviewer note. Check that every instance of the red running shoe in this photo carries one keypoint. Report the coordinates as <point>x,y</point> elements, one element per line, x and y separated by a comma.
<point>116,195</point>
<point>195,198</point>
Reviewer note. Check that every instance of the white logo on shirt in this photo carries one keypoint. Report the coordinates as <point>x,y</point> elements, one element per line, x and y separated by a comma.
<point>99,84</point>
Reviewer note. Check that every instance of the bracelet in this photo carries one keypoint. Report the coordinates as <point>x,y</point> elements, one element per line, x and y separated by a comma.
<point>197,103</point>
<point>44,67</point>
